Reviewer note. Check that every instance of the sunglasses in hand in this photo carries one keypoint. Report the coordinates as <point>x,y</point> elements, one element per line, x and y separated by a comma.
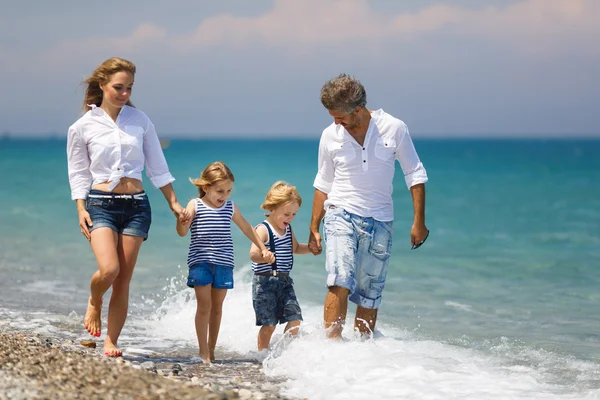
<point>416,246</point>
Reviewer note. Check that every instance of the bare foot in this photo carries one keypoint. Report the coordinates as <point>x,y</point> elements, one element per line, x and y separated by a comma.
<point>110,349</point>
<point>212,355</point>
<point>205,358</point>
<point>91,321</point>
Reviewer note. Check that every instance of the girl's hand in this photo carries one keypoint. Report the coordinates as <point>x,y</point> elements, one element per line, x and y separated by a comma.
<point>84,222</point>
<point>268,256</point>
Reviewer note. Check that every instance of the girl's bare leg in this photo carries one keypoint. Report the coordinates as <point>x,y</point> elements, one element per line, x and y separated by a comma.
<point>128,249</point>
<point>216,312</point>
<point>203,310</point>
<point>104,245</point>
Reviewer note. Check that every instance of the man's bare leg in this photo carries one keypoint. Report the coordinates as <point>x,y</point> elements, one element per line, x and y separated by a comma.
<point>334,311</point>
<point>365,320</point>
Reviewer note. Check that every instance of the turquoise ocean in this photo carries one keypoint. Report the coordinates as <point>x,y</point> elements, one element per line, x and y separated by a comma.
<point>501,302</point>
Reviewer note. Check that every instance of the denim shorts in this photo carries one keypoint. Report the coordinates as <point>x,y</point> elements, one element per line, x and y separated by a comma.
<point>126,216</point>
<point>274,300</point>
<point>206,273</point>
<point>357,255</point>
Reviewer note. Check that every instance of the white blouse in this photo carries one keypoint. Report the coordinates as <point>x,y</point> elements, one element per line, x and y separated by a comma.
<point>102,150</point>
<point>359,178</point>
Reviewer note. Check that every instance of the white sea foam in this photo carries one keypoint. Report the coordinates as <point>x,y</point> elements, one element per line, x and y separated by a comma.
<point>395,364</point>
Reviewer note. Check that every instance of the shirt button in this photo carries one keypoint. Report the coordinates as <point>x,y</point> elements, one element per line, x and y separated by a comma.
<point>364,148</point>
<point>364,160</point>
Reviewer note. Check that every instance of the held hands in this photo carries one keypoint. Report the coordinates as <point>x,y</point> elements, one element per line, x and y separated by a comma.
<point>418,234</point>
<point>268,256</point>
<point>180,213</point>
<point>84,222</point>
<point>314,243</point>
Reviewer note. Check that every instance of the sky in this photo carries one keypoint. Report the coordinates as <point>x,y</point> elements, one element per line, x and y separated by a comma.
<point>453,68</point>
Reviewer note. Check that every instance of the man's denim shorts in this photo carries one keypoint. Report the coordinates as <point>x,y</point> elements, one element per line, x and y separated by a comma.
<point>203,274</point>
<point>127,216</point>
<point>274,300</point>
<point>357,254</point>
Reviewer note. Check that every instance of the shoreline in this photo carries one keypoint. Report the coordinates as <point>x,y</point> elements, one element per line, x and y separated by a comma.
<point>38,366</point>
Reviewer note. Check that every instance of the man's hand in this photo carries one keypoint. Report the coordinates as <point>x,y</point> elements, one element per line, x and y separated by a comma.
<point>418,234</point>
<point>314,243</point>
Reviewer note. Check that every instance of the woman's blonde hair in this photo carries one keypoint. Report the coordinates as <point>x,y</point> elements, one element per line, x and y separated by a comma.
<point>280,194</point>
<point>101,76</point>
<point>214,173</point>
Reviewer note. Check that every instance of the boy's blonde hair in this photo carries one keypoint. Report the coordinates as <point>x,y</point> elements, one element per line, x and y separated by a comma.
<point>281,193</point>
<point>214,173</point>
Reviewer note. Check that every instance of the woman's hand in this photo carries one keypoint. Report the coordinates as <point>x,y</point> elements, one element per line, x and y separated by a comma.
<point>84,223</point>
<point>180,213</point>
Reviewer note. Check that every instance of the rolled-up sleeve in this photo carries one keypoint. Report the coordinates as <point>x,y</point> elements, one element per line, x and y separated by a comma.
<point>414,171</point>
<point>78,165</point>
<point>157,169</point>
<point>324,179</point>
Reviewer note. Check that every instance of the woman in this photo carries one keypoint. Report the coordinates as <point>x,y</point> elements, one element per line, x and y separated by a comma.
<point>107,149</point>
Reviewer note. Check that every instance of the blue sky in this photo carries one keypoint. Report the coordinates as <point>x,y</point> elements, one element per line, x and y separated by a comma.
<point>239,67</point>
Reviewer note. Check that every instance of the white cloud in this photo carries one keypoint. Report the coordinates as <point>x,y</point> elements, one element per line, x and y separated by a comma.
<point>531,25</point>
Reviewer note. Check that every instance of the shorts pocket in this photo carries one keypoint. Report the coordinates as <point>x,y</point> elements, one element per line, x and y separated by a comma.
<point>337,223</point>
<point>94,203</point>
<point>381,244</point>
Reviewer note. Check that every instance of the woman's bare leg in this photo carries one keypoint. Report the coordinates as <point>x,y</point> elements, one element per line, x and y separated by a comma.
<point>128,249</point>
<point>104,245</point>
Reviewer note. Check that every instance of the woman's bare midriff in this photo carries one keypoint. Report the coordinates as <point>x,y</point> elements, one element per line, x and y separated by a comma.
<point>125,186</point>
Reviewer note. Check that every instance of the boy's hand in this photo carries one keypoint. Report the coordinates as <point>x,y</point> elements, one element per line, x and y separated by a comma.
<point>268,256</point>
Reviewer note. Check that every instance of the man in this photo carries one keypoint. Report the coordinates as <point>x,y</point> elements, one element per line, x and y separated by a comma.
<point>353,197</point>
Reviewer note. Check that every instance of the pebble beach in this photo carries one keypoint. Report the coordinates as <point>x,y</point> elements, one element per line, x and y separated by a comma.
<point>33,366</point>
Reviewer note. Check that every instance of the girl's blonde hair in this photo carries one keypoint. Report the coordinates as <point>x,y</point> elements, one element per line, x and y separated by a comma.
<point>101,76</point>
<point>214,173</point>
<point>280,194</point>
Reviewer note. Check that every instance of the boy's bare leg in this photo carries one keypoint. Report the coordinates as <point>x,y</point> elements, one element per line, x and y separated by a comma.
<point>334,313</point>
<point>293,327</point>
<point>264,336</point>
<point>365,320</point>
<point>214,325</point>
<point>104,245</point>
<point>203,308</point>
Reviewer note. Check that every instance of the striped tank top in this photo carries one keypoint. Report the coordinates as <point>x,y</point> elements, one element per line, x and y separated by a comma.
<point>283,252</point>
<point>211,240</point>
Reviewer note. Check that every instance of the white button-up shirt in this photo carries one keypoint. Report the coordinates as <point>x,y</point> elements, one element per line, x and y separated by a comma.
<point>102,150</point>
<point>359,178</point>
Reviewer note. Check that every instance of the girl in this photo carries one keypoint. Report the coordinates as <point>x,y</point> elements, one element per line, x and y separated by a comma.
<point>107,149</point>
<point>273,295</point>
<point>210,256</point>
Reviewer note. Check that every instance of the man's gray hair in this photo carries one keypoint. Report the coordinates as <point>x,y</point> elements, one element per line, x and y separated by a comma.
<point>343,93</point>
